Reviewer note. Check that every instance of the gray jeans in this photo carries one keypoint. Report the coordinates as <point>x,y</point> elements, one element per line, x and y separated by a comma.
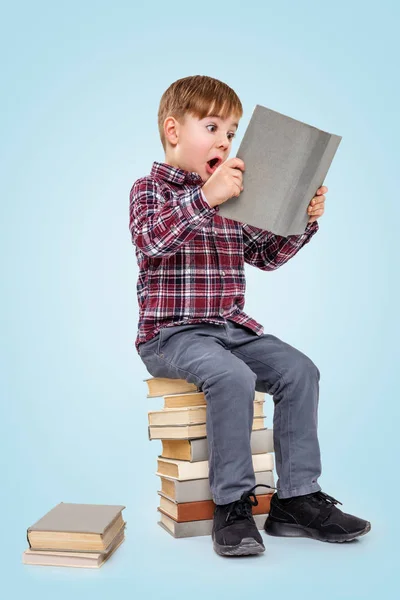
<point>228,363</point>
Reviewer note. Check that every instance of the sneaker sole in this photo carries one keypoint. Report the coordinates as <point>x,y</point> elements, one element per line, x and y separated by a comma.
<point>291,530</point>
<point>246,547</point>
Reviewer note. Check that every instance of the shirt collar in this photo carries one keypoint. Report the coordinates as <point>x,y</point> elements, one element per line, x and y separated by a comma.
<point>174,174</point>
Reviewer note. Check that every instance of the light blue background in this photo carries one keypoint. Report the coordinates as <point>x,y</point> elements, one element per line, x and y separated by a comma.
<point>81,84</point>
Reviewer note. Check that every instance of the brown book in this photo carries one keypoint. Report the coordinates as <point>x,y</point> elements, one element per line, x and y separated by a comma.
<point>187,432</point>
<point>195,399</point>
<point>160,386</point>
<point>189,415</point>
<point>89,560</point>
<point>77,527</point>
<point>197,511</point>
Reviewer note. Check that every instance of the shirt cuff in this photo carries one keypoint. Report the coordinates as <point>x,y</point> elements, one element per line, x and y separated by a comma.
<point>312,227</point>
<point>216,208</point>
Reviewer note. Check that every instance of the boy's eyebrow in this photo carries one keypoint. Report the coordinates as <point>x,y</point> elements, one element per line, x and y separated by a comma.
<point>219,117</point>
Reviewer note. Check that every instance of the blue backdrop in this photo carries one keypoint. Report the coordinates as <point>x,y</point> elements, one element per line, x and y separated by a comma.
<point>81,84</point>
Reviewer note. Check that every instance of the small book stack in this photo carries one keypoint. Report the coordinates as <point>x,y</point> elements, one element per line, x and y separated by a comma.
<point>75,535</point>
<point>186,506</point>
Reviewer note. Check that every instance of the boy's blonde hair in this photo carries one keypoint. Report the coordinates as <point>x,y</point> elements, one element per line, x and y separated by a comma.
<point>200,96</point>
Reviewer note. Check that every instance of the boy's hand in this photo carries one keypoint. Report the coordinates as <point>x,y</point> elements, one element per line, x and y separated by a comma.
<point>225,182</point>
<point>316,207</point>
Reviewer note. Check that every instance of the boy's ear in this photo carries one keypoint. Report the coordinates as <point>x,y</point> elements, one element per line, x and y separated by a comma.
<point>171,130</point>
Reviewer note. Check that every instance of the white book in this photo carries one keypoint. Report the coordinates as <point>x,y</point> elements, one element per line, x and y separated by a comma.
<point>184,470</point>
<point>196,528</point>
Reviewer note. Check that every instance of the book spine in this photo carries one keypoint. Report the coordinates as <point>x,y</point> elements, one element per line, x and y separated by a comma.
<point>322,168</point>
<point>319,168</point>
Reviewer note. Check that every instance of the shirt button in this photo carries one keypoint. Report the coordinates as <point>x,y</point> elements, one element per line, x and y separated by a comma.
<point>223,273</point>
<point>215,232</point>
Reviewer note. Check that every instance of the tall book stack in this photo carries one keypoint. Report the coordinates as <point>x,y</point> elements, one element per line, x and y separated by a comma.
<point>186,507</point>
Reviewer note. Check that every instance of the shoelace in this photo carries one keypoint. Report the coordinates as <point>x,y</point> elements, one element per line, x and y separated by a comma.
<point>242,508</point>
<point>322,498</point>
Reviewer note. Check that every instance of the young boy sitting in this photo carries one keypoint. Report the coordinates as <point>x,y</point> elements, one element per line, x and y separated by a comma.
<point>191,295</point>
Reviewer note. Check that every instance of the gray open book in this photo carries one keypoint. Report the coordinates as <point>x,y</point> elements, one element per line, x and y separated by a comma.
<point>286,162</point>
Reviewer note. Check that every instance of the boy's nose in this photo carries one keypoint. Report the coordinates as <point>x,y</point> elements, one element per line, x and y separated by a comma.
<point>223,143</point>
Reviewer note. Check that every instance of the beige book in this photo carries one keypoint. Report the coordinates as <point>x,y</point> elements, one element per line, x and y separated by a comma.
<point>261,440</point>
<point>159,386</point>
<point>88,560</point>
<point>189,415</point>
<point>166,386</point>
<point>186,432</point>
<point>80,527</point>
<point>195,399</point>
<point>183,470</point>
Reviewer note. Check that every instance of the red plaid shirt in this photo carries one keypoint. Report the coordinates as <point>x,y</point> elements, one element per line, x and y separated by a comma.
<point>191,260</point>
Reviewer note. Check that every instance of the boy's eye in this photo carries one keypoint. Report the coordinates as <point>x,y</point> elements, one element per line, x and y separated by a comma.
<point>230,135</point>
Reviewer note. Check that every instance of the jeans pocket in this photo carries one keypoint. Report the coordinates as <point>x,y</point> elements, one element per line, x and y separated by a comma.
<point>151,346</point>
<point>166,333</point>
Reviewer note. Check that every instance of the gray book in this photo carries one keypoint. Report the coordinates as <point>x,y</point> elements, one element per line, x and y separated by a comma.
<point>71,526</point>
<point>196,528</point>
<point>286,161</point>
<point>196,490</point>
<point>261,441</point>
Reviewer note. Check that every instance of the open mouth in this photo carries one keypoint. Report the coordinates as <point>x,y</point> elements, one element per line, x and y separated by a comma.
<point>213,164</point>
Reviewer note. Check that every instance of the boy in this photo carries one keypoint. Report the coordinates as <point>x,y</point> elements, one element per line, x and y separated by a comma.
<point>192,325</point>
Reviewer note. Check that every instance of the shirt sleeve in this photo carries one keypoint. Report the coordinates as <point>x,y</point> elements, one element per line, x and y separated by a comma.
<point>268,251</point>
<point>159,227</point>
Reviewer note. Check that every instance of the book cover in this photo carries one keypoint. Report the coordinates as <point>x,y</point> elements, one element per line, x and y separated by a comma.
<point>286,161</point>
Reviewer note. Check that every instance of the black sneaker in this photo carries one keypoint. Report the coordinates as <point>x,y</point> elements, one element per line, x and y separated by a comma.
<point>314,516</point>
<point>234,531</point>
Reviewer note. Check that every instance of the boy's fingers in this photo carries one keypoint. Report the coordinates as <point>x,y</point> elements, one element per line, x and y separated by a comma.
<point>317,200</point>
<point>236,163</point>
<point>322,190</point>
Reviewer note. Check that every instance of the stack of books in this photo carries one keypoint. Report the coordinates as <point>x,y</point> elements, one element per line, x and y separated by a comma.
<point>186,507</point>
<point>75,535</point>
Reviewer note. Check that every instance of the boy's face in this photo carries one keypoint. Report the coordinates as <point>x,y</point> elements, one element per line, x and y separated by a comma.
<point>195,141</point>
